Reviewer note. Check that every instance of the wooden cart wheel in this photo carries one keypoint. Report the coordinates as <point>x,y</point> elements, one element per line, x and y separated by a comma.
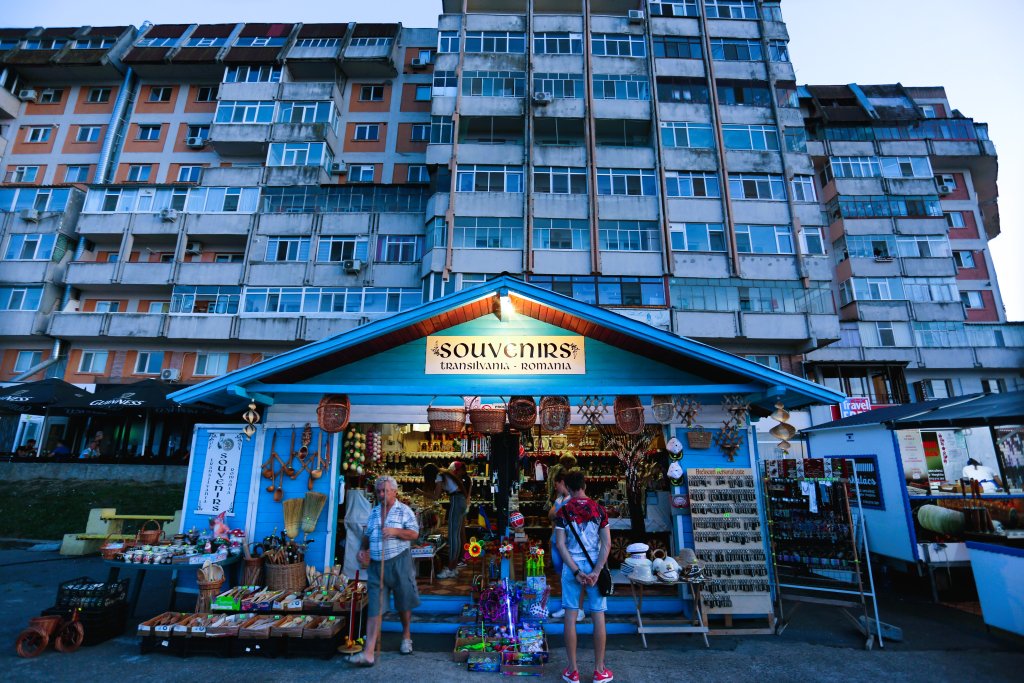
<point>70,637</point>
<point>31,642</point>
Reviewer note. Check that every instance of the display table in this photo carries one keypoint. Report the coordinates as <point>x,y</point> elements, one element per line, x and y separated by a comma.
<point>429,557</point>
<point>173,569</point>
<point>694,625</point>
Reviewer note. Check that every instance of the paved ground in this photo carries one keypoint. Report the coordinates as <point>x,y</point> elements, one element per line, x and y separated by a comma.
<point>940,644</point>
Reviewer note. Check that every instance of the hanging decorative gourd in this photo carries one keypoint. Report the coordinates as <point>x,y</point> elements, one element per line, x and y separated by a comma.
<point>251,417</point>
<point>354,451</point>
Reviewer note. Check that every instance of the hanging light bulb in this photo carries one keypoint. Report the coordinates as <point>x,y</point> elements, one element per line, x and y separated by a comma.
<point>782,431</point>
<point>251,417</point>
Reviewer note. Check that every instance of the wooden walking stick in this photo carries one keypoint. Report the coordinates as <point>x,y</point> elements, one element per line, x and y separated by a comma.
<point>380,597</point>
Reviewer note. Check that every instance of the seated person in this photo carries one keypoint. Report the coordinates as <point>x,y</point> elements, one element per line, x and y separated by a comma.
<point>27,449</point>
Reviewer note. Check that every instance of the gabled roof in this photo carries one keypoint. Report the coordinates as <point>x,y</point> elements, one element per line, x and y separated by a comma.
<point>714,365</point>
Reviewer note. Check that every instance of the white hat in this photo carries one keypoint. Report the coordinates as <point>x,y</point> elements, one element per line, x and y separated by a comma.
<point>669,575</point>
<point>637,549</point>
<point>641,569</point>
<point>658,565</point>
<point>674,446</point>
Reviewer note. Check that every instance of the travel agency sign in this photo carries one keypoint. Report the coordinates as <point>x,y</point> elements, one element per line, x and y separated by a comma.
<point>489,355</point>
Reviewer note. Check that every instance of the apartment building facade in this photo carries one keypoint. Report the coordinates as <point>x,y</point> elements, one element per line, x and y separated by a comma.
<point>182,200</point>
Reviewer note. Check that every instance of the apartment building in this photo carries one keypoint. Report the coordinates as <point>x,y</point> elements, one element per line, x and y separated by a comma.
<point>182,200</point>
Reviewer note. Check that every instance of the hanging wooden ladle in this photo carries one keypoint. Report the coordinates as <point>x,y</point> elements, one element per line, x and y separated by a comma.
<point>279,493</point>
<point>318,471</point>
<point>288,469</point>
<point>268,467</point>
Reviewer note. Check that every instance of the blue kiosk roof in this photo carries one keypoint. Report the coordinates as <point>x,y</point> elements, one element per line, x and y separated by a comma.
<point>716,369</point>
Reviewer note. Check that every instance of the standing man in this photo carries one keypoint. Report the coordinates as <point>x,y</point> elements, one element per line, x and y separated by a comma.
<point>581,530</point>
<point>389,542</point>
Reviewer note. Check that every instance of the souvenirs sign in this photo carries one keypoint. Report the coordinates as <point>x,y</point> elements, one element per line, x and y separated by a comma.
<point>492,355</point>
<point>220,473</point>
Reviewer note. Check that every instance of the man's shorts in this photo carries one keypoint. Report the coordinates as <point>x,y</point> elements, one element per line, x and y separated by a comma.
<point>572,589</point>
<point>399,578</point>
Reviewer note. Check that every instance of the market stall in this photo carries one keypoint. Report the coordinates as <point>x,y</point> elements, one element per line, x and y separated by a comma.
<point>507,378</point>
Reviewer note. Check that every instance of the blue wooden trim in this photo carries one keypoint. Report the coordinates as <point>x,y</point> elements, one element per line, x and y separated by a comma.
<point>993,548</point>
<point>902,483</point>
<point>984,496</point>
<point>666,340</point>
<point>513,384</point>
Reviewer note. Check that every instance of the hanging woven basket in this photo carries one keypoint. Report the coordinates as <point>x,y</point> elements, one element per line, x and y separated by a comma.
<point>555,413</point>
<point>522,413</point>
<point>333,412</point>
<point>629,414</point>
<point>663,408</point>
<point>699,438</point>
<point>488,419</point>
<point>446,420</point>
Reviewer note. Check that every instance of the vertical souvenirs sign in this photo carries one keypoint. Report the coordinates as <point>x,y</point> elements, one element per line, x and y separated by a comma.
<point>220,473</point>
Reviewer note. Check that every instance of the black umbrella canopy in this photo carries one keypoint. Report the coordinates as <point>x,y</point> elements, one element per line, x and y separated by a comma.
<point>37,397</point>
<point>149,394</point>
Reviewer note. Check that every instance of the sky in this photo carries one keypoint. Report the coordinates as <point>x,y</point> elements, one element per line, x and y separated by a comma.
<point>969,48</point>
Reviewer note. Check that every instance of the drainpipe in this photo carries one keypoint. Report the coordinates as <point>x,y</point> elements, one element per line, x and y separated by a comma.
<point>449,214</point>
<point>590,131</point>
<point>115,129</point>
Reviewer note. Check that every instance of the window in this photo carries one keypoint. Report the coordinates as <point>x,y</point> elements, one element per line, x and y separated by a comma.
<point>692,184</point>
<point>972,299</point>
<point>494,83</point>
<point>558,86</point>
<point>41,199</point>
<point>244,111</point>
<point>24,174</point>
<point>552,43</point>
<point>335,249</point>
<point>764,239</point>
<point>227,258</point>
<point>803,188</point>
<point>697,237</point>
<point>740,94</point>
<point>736,50</point>
<point>156,42</point>
<point>252,74</point>
<point>765,186</point>
<point>441,130</point>
<point>559,180</point>
<point>423,93</point>
<point>20,298</point>
<point>731,9</point>
<point>361,173</point>
<point>399,248</point>
<point>93,362</point>
<point>259,41</point>
<point>813,240</point>
<point>201,132</point>
<point>606,291</point>
<point>930,389</point>
<point>417,173</point>
<point>312,300</point>
<point>26,360</point>
<point>678,8</point>
<point>989,386</point>
<point>886,334</point>
<point>51,96</point>
<point>941,335</point>
<point>30,247</point>
<point>759,296</point>
<point>796,139</point>
<point>964,259</point>
<point>954,219</point>
<point>207,300</point>
<point>207,93</point>
<point>621,87</point>
<point>672,47</point>
<point>38,134</point>
<point>367,132</point>
<point>419,132</point>
<point>906,167</point>
<point>211,364</point>
<point>93,44</point>
<point>947,179</point>
<point>149,362</point>
<point>98,95</point>
<point>883,206</point>
<point>480,178</point>
<point>750,137</point>
<point>870,289</point>
<point>217,199</point>
<point>445,84</point>
<point>626,181</point>
<point>76,174</point>
<point>149,132</point>
<point>770,361</point>
<point>88,134</point>
<point>487,233</point>
<point>682,90</point>
<point>629,235</point>
<point>298,154</point>
<point>496,42</point>
<point>371,93</point>
<point>561,233</point>
<point>778,51</point>
<point>618,45</point>
<point>306,112</point>
<point>371,41</point>
<point>190,174</point>
<point>559,131</point>
<point>138,173</point>
<point>287,249</point>
<point>686,134</point>
<point>922,246</point>
<point>927,110</point>
<point>162,94</point>
<point>448,42</point>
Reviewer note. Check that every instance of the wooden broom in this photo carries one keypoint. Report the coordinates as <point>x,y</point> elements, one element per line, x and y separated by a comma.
<point>292,517</point>
<point>312,506</point>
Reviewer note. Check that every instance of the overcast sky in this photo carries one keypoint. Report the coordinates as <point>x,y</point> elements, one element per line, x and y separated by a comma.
<point>966,47</point>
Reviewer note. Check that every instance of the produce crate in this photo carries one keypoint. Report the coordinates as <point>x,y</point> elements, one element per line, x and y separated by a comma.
<point>321,627</point>
<point>160,625</point>
<point>100,623</point>
<point>288,627</point>
<point>256,628</point>
<point>86,592</point>
<point>227,626</point>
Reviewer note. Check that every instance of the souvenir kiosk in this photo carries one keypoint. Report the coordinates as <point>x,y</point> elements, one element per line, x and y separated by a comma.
<point>628,388</point>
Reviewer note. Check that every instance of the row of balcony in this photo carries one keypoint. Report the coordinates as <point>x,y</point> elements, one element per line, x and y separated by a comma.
<point>1010,358</point>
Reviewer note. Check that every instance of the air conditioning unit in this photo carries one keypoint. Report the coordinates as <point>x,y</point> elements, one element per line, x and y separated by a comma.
<point>945,189</point>
<point>636,16</point>
<point>339,168</point>
<point>419,63</point>
<point>169,215</point>
<point>193,248</point>
<point>195,142</point>
<point>30,215</point>
<point>28,95</point>
<point>352,265</point>
<point>543,98</point>
<point>170,374</point>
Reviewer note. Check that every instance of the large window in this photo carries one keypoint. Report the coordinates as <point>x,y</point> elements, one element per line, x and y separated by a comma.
<point>621,87</point>
<point>211,364</point>
<point>803,188</point>
<point>698,237</point>
<point>561,233</point>
<point>767,186</point>
<point>676,8</point>
<point>306,112</point>
<point>871,289</point>
<point>399,248</point>
<point>287,249</point>
<point>940,335</point>
<point>677,47</point>
<point>337,248</point>
<point>923,246</point>
<point>93,362</point>
<point>149,362</point>
<point>972,299</point>
<point>205,300</point>
<point>222,200</point>
<point>764,239</point>
<point>731,9</point>
<point>40,199</point>
<point>553,43</point>
<point>883,206</point>
<point>298,154</point>
<point>559,86</point>
<point>494,83</point>
<point>244,111</point>
<point>252,74</point>
<point>687,134</point>
<point>441,130</point>
<point>559,180</point>
<point>629,236</point>
<point>754,137</point>
<point>606,291</point>
<point>447,42</point>
<point>479,178</point>
<point>327,300</point>
<point>26,360</point>
<point>682,90</point>
<point>906,167</point>
<point>931,289</point>
<point>488,233</point>
<point>851,167</point>
<point>778,51</point>
<point>30,247</point>
<point>618,45</point>
<point>692,184</point>
<point>736,50</point>
<point>20,298</point>
<point>756,296</point>
<point>741,93</point>
<point>626,181</point>
<point>496,42</point>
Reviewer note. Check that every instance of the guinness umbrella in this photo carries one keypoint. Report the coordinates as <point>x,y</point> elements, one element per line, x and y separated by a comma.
<point>149,394</point>
<point>37,397</point>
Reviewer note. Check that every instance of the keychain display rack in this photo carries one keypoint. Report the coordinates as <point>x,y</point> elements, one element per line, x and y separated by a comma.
<point>727,537</point>
<point>818,541</point>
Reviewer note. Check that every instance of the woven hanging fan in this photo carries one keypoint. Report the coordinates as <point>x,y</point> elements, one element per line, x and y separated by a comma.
<point>663,408</point>
<point>629,414</point>
<point>522,412</point>
<point>555,413</point>
<point>333,413</point>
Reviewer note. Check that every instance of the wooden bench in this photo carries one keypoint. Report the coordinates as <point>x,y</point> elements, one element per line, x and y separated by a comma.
<point>105,523</point>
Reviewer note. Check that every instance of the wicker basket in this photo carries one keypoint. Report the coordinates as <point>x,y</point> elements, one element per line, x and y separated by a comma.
<point>333,413</point>
<point>699,438</point>
<point>487,419</point>
<point>555,413</point>
<point>663,408</point>
<point>447,420</point>
<point>149,536</point>
<point>110,550</point>
<point>522,412</point>
<point>252,571</point>
<point>285,577</point>
<point>208,590</point>
<point>629,414</point>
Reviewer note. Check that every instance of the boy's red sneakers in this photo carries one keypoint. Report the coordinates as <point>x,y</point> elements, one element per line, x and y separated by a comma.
<point>603,676</point>
<point>571,676</point>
